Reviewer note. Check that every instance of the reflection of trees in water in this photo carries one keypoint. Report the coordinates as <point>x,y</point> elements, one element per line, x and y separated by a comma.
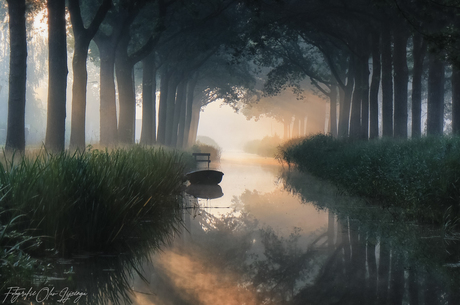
<point>251,263</point>
<point>363,257</point>
<point>378,258</point>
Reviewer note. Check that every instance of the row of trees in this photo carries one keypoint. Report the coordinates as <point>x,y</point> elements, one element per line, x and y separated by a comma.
<point>368,57</point>
<point>183,45</point>
<point>200,51</point>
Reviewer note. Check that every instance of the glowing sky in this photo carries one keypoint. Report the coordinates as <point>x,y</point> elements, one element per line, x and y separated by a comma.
<point>231,130</point>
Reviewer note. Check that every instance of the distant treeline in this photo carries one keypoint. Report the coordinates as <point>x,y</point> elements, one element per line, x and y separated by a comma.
<point>267,147</point>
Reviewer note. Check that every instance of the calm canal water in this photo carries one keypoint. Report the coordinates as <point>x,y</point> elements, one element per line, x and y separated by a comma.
<point>274,236</point>
<point>280,237</point>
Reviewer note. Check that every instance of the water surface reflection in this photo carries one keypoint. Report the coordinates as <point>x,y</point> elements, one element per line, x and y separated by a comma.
<point>258,244</point>
<point>272,236</point>
<point>297,241</point>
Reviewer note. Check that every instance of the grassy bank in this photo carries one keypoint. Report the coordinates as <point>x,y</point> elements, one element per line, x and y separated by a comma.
<point>92,201</point>
<point>420,177</point>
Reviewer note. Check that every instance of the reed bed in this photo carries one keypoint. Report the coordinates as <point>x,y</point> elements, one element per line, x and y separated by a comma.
<point>94,201</point>
<point>421,177</point>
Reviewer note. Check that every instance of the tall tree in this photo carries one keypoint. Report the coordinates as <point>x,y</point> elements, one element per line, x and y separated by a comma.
<point>418,53</point>
<point>435,111</point>
<point>129,52</point>
<point>149,86</point>
<point>375,85</point>
<point>401,80</point>
<point>55,127</point>
<point>83,37</point>
<point>15,137</point>
<point>387,80</point>
<point>107,39</point>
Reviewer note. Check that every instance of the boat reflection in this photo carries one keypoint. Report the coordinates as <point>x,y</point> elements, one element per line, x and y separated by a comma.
<point>205,191</point>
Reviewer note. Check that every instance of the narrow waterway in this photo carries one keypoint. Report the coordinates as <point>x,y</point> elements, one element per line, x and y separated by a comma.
<point>280,237</point>
<point>231,242</point>
<point>269,235</point>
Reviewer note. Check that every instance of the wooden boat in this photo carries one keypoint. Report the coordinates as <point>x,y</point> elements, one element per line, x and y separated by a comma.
<point>206,176</point>
<point>205,191</point>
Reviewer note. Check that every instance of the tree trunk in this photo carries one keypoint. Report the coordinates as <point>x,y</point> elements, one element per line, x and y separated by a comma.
<point>195,121</point>
<point>295,127</point>
<point>435,111</point>
<point>345,101</point>
<point>302,126</point>
<point>374,90</point>
<point>401,80</point>
<point>55,127</point>
<point>15,136</point>
<point>108,104</point>
<point>455,100</point>
<point>80,78</point>
<point>387,82</point>
<point>165,78</point>
<point>190,97</point>
<point>365,97</point>
<point>82,38</point>
<point>172,89</point>
<point>126,95</point>
<point>178,110</point>
<point>148,134</point>
<point>182,118</point>
<point>419,51</point>
<point>355,120</point>
<point>286,126</point>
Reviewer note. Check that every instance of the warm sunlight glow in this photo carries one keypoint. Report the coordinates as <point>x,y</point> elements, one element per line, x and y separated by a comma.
<point>40,24</point>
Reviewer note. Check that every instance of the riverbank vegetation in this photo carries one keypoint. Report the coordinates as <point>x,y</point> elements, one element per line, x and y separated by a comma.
<point>420,177</point>
<point>92,201</point>
<point>267,147</point>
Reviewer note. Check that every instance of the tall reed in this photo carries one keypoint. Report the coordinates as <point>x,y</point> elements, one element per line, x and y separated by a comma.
<point>94,200</point>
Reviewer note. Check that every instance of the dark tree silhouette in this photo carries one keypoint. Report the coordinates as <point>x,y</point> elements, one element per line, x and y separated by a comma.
<point>15,137</point>
<point>55,127</point>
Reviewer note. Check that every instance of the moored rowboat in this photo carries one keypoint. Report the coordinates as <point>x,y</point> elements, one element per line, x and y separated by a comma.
<point>207,176</point>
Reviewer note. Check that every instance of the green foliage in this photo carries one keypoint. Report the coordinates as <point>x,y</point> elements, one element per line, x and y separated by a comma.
<point>419,176</point>
<point>95,200</point>
<point>267,147</point>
